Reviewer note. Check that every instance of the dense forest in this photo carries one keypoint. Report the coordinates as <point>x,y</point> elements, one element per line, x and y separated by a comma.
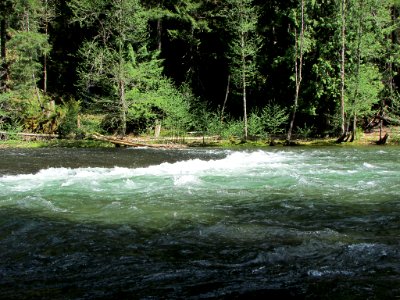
<point>224,67</point>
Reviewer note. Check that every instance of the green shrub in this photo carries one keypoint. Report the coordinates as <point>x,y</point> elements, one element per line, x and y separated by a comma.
<point>232,128</point>
<point>91,123</point>
<point>273,118</point>
<point>256,126</point>
<point>69,119</point>
<point>305,132</point>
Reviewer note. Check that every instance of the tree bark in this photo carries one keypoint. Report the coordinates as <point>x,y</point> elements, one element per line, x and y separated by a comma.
<point>46,29</point>
<point>358,67</point>
<point>3,52</point>
<point>37,91</point>
<point>3,34</point>
<point>226,97</point>
<point>354,129</point>
<point>45,66</point>
<point>159,35</point>
<point>298,73</point>
<point>121,76</point>
<point>342,67</point>
<point>244,87</point>
<point>382,141</point>
<point>123,106</point>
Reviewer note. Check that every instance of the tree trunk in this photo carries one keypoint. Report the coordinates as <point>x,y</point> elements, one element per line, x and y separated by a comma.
<point>34,81</point>
<point>358,67</point>
<point>342,71</point>
<point>245,109</point>
<point>244,87</point>
<point>37,91</point>
<point>159,35</point>
<point>354,129</point>
<point>120,76</point>
<point>45,65</point>
<point>121,87</point>
<point>298,71</point>
<point>226,98</point>
<point>3,35</point>
<point>157,129</point>
<point>382,141</point>
<point>296,97</point>
<point>46,29</point>
<point>3,52</point>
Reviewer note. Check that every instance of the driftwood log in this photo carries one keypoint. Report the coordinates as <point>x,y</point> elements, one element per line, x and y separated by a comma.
<point>126,143</point>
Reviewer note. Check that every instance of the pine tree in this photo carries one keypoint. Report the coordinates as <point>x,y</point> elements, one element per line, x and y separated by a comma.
<point>119,24</point>
<point>242,20</point>
<point>368,21</point>
<point>298,59</point>
<point>5,9</point>
<point>28,45</point>
<point>343,10</point>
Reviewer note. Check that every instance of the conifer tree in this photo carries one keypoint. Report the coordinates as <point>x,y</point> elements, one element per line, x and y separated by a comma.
<point>119,24</point>
<point>242,19</point>
<point>367,23</point>
<point>5,9</point>
<point>298,58</point>
<point>28,45</point>
<point>343,11</point>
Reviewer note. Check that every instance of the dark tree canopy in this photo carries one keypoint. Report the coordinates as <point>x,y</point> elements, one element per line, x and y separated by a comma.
<point>129,64</point>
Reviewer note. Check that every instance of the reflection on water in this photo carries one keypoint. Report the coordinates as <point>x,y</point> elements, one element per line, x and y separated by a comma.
<point>203,223</point>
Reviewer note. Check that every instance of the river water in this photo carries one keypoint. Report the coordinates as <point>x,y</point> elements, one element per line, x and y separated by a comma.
<point>200,223</point>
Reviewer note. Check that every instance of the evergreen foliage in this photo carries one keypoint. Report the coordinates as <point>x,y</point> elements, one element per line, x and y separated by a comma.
<point>134,64</point>
<point>242,20</point>
<point>69,119</point>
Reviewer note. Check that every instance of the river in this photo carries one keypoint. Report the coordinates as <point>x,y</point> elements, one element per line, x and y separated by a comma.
<point>300,223</point>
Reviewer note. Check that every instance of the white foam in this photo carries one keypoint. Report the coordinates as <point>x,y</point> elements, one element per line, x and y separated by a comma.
<point>186,180</point>
<point>237,161</point>
<point>369,166</point>
<point>182,172</point>
<point>322,273</point>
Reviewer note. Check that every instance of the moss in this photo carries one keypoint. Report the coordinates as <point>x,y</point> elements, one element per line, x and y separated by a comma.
<point>21,144</point>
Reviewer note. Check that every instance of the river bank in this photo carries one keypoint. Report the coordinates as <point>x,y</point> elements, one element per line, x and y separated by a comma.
<point>64,143</point>
<point>363,139</point>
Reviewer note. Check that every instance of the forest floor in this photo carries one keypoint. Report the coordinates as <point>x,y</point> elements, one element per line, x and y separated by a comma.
<point>363,138</point>
<point>374,136</point>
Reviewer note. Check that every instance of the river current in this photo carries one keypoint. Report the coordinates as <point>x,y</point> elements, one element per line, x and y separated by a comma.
<point>200,223</point>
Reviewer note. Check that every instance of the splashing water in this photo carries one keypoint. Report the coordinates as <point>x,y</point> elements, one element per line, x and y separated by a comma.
<point>200,223</point>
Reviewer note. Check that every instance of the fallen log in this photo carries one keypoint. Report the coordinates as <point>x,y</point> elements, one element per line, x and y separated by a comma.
<point>121,142</point>
<point>389,120</point>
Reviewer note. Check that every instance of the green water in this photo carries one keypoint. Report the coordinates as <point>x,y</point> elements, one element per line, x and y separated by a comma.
<point>200,223</point>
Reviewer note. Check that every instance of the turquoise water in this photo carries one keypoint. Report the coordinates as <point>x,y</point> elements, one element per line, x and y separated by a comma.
<point>200,223</point>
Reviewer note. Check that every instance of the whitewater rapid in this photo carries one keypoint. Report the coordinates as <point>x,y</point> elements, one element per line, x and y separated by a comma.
<point>94,223</point>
